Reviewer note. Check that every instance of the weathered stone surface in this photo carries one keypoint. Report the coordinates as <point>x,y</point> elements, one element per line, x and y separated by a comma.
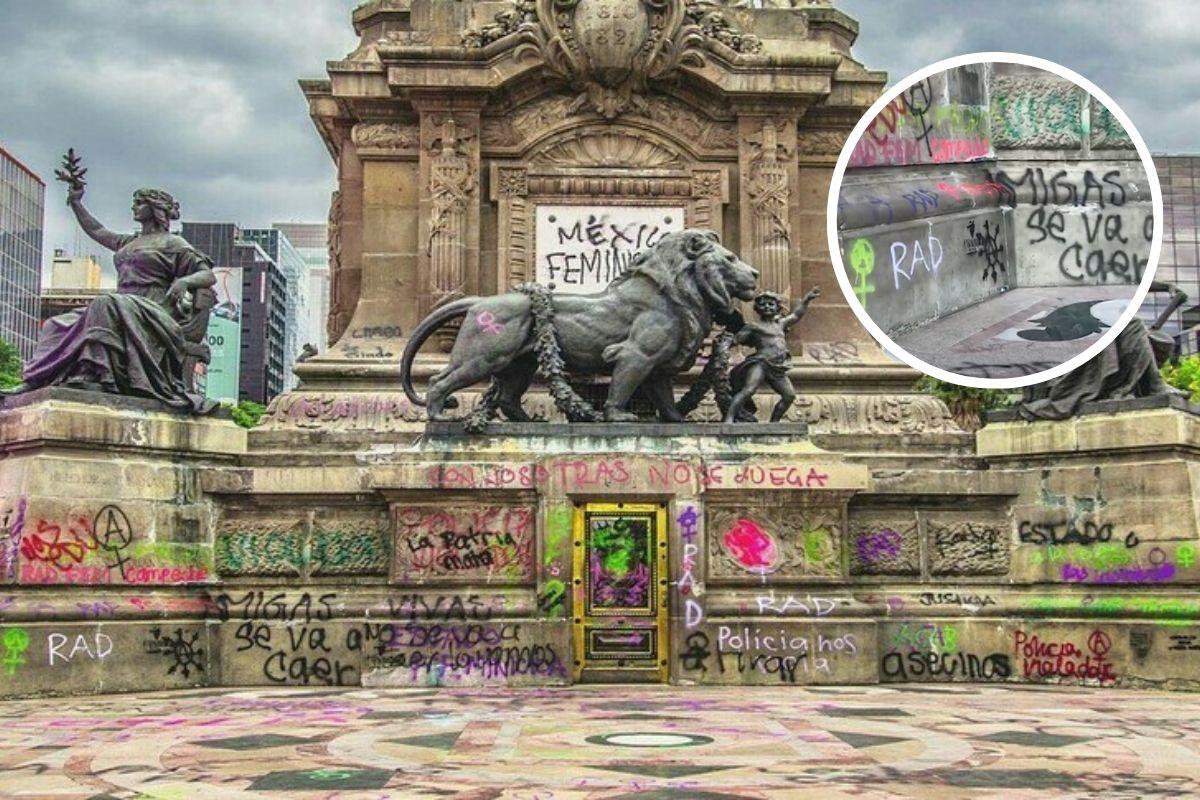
<point>967,543</point>
<point>884,543</point>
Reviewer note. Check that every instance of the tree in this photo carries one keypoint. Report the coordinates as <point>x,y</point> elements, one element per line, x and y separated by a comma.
<point>10,365</point>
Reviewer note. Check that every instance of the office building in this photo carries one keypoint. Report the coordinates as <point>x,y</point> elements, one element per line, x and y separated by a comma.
<point>311,241</point>
<point>77,272</point>
<point>22,214</point>
<point>291,264</point>
<point>263,309</point>
<point>1179,263</point>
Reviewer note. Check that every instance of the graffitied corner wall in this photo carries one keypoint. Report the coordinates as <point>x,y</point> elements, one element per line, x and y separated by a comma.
<point>986,178</point>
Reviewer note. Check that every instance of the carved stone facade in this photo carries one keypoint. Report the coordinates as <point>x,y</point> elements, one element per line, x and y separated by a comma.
<point>555,138</point>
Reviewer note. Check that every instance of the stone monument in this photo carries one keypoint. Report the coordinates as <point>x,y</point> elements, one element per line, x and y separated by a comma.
<point>349,541</point>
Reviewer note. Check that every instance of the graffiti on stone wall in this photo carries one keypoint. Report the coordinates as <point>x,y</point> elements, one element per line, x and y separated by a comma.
<point>884,544</point>
<point>657,474</point>
<point>101,546</point>
<point>348,547</point>
<point>1088,223</point>
<point>753,548</point>
<point>552,597</point>
<point>931,665</point>
<point>468,653</point>
<point>801,540</point>
<point>1053,657</point>
<point>1036,111</point>
<point>985,244</point>
<point>259,547</point>
<point>293,636</point>
<point>453,640</point>
<point>492,542</point>
<point>862,262</point>
<point>14,644</point>
<point>180,650</point>
<point>926,124</point>
<point>689,590</point>
<point>298,543</point>
<point>753,654</point>
<point>968,547</point>
<point>912,258</point>
<point>12,525</point>
<point>1107,131</point>
<point>1112,563</point>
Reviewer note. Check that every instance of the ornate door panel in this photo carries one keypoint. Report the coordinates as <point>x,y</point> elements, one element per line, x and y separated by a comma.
<point>620,592</point>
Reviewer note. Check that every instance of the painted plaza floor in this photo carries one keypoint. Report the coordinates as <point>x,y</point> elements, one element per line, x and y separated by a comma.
<point>932,741</point>
<point>1020,332</point>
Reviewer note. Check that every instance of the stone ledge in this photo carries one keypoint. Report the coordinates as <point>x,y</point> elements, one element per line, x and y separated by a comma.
<point>96,420</point>
<point>117,402</point>
<point>622,430</point>
<point>1107,407</point>
<point>1138,424</point>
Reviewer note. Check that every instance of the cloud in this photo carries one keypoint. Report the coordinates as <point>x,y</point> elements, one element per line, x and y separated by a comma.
<point>1142,54</point>
<point>200,97</point>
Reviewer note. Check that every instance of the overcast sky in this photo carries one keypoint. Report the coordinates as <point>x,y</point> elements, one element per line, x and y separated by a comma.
<point>199,97</point>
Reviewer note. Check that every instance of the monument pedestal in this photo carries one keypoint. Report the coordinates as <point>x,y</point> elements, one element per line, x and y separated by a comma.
<point>142,550</point>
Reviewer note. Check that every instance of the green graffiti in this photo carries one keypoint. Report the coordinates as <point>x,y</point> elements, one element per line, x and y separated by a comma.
<point>616,547</point>
<point>862,261</point>
<point>351,552</point>
<point>1107,130</point>
<point>266,552</point>
<point>1185,555</point>
<point>927,638</point>
<point>1037,114</point>
<point>817,546</point>
<point>558,533</point>
<point>551,600</point>
<point>327,774</point>
<point>15,642</point>
<point>1169,612</point>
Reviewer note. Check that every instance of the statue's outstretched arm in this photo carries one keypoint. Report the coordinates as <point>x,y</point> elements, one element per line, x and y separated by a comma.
<point>800,309</point>
<point>92,227</point>
<point>72,173</point>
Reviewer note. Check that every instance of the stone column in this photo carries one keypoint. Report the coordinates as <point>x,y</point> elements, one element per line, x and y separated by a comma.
<point>768,190</point>
<point>448,233</point>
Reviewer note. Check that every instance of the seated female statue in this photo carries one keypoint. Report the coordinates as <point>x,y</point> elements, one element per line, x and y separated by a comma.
<point>131,341</point>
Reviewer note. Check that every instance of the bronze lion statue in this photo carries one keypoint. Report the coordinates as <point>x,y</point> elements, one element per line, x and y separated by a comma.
<point>644,329</point>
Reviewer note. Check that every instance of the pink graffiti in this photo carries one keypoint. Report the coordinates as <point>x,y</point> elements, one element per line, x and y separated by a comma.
<point>752,546</point>
<point>487,322</point>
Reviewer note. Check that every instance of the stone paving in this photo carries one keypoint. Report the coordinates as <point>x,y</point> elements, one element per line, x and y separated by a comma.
<point>1020,332</point>
<point>606,742</point>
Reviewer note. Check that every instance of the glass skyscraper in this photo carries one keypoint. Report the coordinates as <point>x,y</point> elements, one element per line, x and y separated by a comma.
<point>310,241</point>
<point>1179,263</point>
<point>22,214</point>
<point>295,271</point>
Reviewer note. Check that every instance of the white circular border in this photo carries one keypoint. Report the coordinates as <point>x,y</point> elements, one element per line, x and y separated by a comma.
<point>835,251</point>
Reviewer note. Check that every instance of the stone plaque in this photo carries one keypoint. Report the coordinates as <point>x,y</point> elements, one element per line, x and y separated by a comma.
<point>581,249</point>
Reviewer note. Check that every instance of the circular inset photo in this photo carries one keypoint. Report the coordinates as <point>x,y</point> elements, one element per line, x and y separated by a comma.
<point>994,220</point>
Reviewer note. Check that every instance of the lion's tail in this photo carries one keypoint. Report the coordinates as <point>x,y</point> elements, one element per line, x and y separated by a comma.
<point>427,327</point>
